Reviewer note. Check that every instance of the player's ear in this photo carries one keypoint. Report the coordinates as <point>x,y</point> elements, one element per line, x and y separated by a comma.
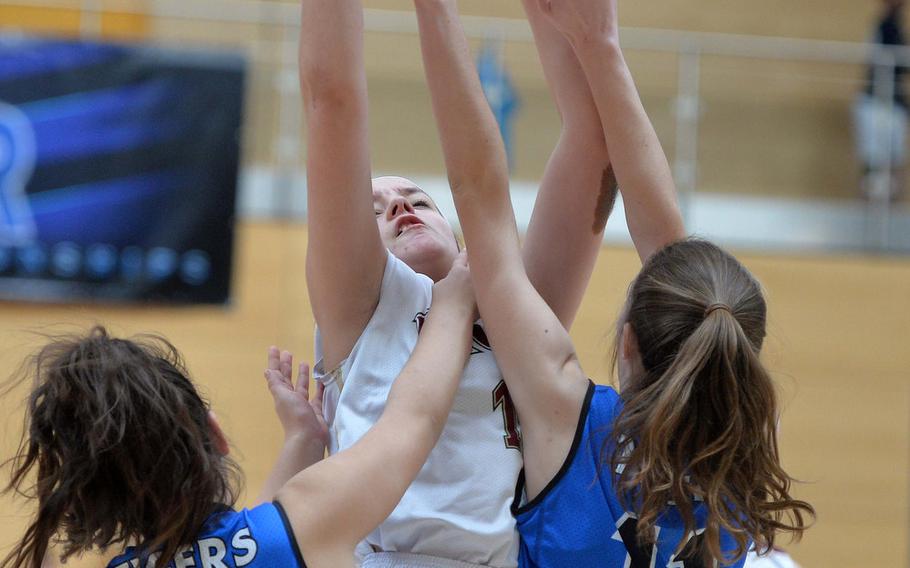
<point>629,343</point>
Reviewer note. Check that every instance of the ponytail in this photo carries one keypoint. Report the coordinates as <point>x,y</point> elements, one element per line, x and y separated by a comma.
<point>700,424</point>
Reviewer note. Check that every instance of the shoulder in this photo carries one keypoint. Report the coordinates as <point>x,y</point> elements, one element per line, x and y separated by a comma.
<point>403,293</point>
<point>262,536</point>
<point>605,405</point>
<point>399,276</point>
<point>259,537</point>
<point>583,464</point>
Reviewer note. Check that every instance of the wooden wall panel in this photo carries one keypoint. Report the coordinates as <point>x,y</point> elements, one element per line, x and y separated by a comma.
<point>36,19</point>
<point>837,346</point>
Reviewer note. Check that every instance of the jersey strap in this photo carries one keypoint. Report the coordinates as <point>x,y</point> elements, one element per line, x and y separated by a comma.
<point>290,531</point>
<point>517,507</point>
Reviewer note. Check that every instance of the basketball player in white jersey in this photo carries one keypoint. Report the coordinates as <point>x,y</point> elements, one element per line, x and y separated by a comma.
<point>374,249</point>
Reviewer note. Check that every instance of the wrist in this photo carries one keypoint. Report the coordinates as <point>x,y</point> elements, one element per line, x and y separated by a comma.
<point>302,438</point>
<point>433,6</point>
<point>602,45</point>
<point>452,311</point>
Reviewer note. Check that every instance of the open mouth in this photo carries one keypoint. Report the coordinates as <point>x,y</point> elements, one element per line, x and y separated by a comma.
<point>406,224</point>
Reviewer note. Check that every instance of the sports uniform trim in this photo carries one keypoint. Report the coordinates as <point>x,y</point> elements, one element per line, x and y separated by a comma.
<point>287,527</point>
<point>518,509</point>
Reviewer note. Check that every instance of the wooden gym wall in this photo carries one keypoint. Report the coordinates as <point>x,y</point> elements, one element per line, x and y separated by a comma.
<point>837,348</point>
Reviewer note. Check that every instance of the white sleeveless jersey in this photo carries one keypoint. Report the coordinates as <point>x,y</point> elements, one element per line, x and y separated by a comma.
<point>458,507</point>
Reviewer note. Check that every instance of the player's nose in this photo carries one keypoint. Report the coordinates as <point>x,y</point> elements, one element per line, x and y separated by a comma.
<point>399,206</point>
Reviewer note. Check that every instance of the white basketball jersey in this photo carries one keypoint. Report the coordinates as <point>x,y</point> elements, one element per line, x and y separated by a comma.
<point>773,559</point>
<point>458,507</point>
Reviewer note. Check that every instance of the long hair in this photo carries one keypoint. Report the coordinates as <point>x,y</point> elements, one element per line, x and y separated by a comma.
<point>701,422</point>
<point>120,447</point>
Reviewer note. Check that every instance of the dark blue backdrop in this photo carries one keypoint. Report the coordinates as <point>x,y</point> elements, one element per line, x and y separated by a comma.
<point>118,171</point>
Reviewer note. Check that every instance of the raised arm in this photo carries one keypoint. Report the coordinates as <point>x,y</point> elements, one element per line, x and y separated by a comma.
<point>306,434</point>
<point>532,347</point>
<point>578,188</point>
<point>474,155</point>
<point>334,504</point>
<point>648,190</point>
<point>345,256</point>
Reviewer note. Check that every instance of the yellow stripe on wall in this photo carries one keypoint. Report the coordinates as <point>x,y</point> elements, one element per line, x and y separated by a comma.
<point>123,26</point>
<point>63,21</point>
<point>68,22</point>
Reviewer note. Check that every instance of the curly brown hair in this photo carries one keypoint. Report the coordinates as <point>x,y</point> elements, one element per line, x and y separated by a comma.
<point>121,448</point>
<point>701,423</point>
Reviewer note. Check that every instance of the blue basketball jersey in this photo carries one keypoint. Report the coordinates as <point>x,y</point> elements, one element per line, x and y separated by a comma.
<point>578,520</point>
<point>256,538</point>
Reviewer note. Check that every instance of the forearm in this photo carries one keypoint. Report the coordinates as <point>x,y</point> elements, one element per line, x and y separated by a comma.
<point>577,188</point>
<point>639,162</point>
<point>331,51</point>
<point>298,453</point>
<point>468,131</point>
<point>565,79</point>
<point>566,230</point>
<point>393,451</point>
<point>474,153</point>
<point>423,392</point>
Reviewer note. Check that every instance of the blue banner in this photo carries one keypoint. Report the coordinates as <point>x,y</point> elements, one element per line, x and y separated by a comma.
<point>500,92</point>
<point>118,171</point>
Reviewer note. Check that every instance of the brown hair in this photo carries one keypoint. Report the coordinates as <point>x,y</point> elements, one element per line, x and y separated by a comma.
<point>122,449</point>
<point>701,423</point>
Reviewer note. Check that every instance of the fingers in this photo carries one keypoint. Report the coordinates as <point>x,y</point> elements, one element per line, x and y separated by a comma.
<point>279,367</point>
<point>303,379</point>
<point>275,380</point>
<point>274,358</point>
<point>286,362</point>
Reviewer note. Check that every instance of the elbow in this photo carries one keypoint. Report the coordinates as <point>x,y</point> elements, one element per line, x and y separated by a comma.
<point>481,175</point>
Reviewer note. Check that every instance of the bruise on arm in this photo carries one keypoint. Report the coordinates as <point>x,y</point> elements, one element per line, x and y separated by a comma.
<point>606,199</point>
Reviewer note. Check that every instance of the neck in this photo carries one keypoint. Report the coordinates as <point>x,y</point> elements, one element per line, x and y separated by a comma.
<point>436,269</point>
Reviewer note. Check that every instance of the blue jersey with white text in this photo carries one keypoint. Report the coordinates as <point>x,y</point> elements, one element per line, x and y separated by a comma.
<point>254,538</point>
<point>578,520</point>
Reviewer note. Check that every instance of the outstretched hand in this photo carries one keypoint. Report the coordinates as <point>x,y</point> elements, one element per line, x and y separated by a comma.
<point>456,288</point>
<point>298,414</point>
<point>583,20</point>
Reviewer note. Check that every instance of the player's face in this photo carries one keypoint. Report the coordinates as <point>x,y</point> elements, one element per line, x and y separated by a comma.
<point>412,227</point>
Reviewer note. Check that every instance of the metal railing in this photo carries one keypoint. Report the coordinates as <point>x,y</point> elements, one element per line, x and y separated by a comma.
<point>276,46</point>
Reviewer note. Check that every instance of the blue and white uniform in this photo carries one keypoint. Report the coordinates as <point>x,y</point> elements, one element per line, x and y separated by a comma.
<point>578,520</point>
<point>255,538</point>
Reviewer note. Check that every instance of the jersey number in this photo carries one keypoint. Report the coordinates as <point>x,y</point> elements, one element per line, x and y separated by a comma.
<point>502,399</point>
<point>645,556</point>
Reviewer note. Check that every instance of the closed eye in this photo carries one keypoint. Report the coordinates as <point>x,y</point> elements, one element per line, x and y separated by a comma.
<point>420,204</point>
